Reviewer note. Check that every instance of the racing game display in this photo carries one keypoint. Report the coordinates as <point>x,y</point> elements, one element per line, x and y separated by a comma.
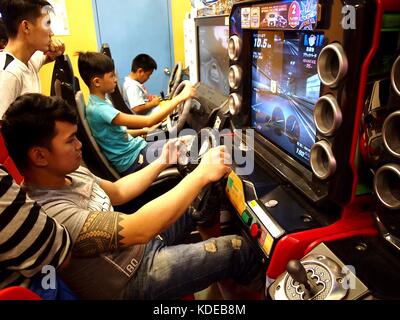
<point>213,57</point>
<point>285,87</point>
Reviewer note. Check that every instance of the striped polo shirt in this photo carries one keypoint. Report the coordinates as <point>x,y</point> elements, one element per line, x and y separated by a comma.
<point>29,238</point>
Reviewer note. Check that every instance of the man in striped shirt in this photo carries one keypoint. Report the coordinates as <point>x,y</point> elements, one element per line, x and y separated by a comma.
<point>29,238</point>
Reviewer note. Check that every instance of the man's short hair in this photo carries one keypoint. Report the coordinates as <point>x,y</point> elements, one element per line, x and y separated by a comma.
<point>15,11</point>
<point>30,121</point>
<point>3,32</point>
<point>143,61</point>
<point>94,64</point>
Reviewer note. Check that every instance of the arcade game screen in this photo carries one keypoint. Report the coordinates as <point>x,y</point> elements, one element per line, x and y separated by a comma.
<point>213,57</point>
<point>285,88</point>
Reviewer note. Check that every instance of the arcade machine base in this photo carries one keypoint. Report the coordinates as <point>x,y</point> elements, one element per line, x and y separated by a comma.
<point>347,269</point>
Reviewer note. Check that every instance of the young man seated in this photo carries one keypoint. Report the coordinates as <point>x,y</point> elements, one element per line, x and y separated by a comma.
<point>119,256</point>
<point>109,126</point>
<point>31,242</point>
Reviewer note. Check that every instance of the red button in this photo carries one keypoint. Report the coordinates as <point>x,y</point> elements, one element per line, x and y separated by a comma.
<point>255,230</point>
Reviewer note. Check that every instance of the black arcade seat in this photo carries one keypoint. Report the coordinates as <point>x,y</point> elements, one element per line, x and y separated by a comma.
<point>116,97</point>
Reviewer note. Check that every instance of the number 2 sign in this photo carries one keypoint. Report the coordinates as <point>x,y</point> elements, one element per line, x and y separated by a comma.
<point>294,14</point>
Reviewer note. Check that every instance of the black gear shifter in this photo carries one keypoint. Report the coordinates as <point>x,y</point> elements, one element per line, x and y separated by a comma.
<point>299,274</point>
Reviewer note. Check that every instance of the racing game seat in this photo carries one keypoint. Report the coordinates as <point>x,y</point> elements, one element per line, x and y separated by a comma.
<point>92,155</point>
<point>18,293</point>
<point>64,85</point>
<point>63,72</point>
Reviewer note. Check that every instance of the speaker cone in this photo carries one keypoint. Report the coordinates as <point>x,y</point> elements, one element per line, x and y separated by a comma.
<point>391,134</point>
<point>327,115</point>
<point>332,65</point>
<point>234,47</point>
<point>322,160</point>
<point>395,76</point>
<point>387,185</point>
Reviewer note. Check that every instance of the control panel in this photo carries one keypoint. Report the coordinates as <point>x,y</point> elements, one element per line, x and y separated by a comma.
<point>258,222</point>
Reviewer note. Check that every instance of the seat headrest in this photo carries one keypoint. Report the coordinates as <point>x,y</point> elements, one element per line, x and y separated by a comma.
<point>81,106</point>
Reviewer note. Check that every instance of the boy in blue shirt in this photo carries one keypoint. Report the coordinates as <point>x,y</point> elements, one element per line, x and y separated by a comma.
<point>110,126</point>
<point>134,92</point>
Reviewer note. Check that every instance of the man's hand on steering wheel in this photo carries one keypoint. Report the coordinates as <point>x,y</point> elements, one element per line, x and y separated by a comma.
<point>212,168</point>
<point>214,165</point>
<point>170,151</point>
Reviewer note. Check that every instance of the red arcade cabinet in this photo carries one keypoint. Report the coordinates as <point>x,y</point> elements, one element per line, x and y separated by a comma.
<point>306,76</point>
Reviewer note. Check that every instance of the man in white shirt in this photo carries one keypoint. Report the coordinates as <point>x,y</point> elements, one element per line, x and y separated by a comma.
<point>30,45</point>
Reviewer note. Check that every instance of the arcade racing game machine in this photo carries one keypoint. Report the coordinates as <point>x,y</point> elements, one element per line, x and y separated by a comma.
<point>212,90</point>
<point>301,74</point>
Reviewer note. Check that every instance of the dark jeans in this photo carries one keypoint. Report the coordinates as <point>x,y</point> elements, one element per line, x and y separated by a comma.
<point>170,270</point>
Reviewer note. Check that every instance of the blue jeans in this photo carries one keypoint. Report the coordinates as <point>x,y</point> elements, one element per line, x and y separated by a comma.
<point>170,270</point>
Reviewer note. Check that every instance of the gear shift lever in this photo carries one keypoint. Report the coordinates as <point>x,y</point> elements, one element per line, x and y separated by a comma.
<point>299,273</point>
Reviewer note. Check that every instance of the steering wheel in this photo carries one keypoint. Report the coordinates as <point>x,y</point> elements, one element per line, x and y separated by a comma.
<point>177,118</point>
<point>208,202</point>
<point>175,79</point>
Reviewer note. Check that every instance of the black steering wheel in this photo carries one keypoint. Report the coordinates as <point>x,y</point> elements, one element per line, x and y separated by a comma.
<point>177,118</point>
<point>175,79</point>
<point>208,202</point>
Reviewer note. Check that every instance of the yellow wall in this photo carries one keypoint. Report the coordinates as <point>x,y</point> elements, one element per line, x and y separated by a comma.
<point>179,8</point>
<point>82,38</point>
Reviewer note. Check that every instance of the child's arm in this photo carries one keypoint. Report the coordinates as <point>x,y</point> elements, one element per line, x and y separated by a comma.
<point>137,132</point>
<point>144,131</point>
<point>136,121</point>
<point>148,105</point>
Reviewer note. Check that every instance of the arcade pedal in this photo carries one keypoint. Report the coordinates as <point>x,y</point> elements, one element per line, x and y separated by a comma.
<point>320,275</point>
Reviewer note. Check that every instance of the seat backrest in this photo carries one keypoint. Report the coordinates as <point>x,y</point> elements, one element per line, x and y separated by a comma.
<point>118,101</point>
<point>92,154</point>
<point>63,72</point>
<point>18,293</point>
<point>77,85</point>
<point>67,92</point>
<point>64,84</point>
<point>115,97</point>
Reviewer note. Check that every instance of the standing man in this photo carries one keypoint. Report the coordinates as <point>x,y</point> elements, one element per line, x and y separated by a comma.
<point>30,45</point>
